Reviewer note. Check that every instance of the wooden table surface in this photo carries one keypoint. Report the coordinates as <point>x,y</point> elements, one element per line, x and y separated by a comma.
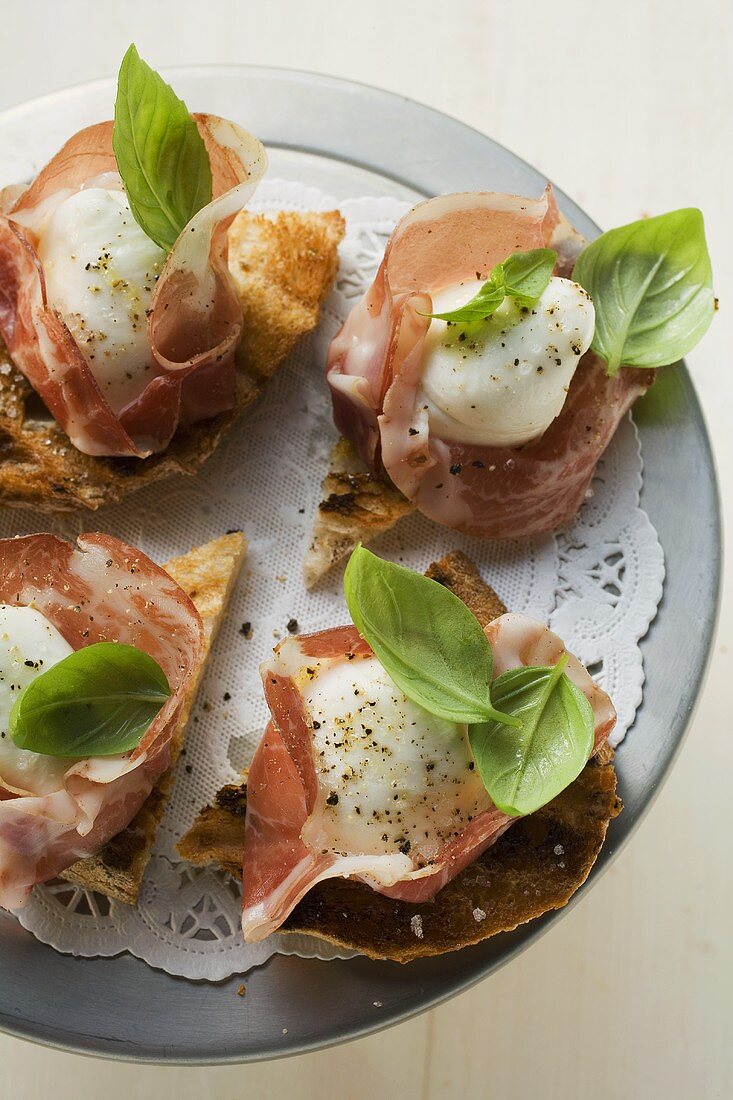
<point>628,106</point>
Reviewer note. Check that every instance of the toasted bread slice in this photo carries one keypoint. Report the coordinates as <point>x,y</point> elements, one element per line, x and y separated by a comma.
<point>283,266</point>
<point>536,866</point>
<point>217,834</point>
<point>207,574</point>
<point>356,507</point>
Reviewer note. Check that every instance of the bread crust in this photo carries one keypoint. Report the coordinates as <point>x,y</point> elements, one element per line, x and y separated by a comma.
<point>206,574</point>
<point>356,506</point>
<point>283,266</point>
<point>536,866</point>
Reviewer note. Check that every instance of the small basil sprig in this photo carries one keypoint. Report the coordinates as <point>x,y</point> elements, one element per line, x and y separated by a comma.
<point>523,277</point>
<point>160,154</point>
<point>425,638</point>
<point>98,701</point>
<point>526,768</point>
<point>652,288</point>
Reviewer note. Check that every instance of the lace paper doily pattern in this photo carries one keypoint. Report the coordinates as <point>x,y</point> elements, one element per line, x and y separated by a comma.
<point>599,585</point>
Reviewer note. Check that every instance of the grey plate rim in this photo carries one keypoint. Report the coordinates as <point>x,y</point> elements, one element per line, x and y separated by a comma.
<point>437,154</point>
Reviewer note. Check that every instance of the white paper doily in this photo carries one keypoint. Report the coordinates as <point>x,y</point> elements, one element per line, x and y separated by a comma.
<point>599,585</point>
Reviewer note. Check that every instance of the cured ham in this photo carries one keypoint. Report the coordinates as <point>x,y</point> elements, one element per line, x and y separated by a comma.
<point>375,365</point>
<point>194,320</point>
<point>402,811</point>
<point>101,590</point>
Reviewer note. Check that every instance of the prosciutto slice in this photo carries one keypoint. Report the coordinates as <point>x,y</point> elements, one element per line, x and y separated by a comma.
<point>285,853</point>
<point>375,365</point>
<point>101,590</point>
<point>195,318</point>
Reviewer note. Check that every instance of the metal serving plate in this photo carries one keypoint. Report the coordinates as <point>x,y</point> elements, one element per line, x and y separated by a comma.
<point>353,140</point>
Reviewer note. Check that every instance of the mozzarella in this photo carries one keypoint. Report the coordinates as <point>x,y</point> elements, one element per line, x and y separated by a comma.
<point>393,779</point>
<point>100,270</point>
<point>29,644</point>
<point>500,382</point>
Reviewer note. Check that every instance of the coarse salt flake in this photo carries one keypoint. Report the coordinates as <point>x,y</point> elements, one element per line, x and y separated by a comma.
<point>416,926</point>
<point>479,914</point>
<point>559,850</point>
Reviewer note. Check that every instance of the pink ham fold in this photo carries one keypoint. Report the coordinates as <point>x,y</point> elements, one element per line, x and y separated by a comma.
<point>285,800</point>
<point>101,590</point>
<point>195,319</point>
<point>375,366</point>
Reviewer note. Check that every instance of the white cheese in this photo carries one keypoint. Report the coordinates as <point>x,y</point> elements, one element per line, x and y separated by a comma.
<point>392,777</point>
<point>501,382</point>
<point>29,645</point>
<point>100,270</point>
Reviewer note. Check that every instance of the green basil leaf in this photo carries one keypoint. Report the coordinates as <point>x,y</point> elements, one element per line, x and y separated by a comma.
<point>522,276</point>
<point>525,275</point>
<point>98,701</point>
<point>652,287</point>
<point>526,768</point>
<point>489,298</point>
<point>425,638</point>
<point>160,154</point>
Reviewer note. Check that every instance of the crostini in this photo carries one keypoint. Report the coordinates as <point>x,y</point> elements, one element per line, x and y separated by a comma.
<point>485,371</point>
<point>102,652</point>
<point>136,298</point>
<point>390,807</point>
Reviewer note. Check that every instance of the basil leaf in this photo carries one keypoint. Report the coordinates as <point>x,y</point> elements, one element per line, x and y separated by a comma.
<point>160,154</point>
<point>98,701</point>
<point>425,638</point>
<point>525,275</point>
<point>652,287</point>
<point>489,298</point>
<point>526,768</point>
<point>522,276</point>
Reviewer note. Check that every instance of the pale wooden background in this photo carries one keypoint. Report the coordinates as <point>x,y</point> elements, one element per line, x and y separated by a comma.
<point>627,105</point>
